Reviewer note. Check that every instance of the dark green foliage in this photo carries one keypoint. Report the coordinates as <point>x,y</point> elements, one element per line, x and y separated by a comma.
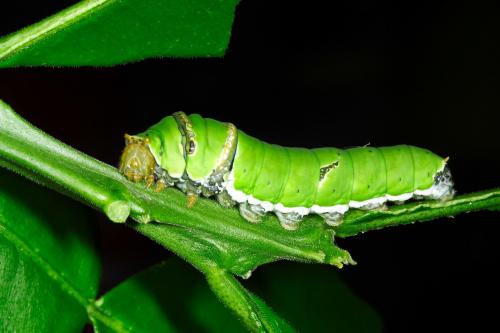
<point>172,297</point>
<point>107,32</point>
<point>49,267</point>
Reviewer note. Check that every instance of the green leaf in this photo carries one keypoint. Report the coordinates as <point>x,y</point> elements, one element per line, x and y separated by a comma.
<point>110,32</point>
<point>169,297</point>
<point>315,300</point>
<point>49,268</point>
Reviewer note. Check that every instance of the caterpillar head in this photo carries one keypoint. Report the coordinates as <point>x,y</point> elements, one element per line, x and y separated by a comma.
<point>136,162</point>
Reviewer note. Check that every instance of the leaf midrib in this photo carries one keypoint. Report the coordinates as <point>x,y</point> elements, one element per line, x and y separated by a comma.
<point>37,31</point>
<point>92,310</point>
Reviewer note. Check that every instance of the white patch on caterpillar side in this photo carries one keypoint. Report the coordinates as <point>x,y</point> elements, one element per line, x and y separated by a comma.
<point>299,210</point>
<point>368,204</point>
<point>341,209</point>
<point>241,197</point>
<point>440,190</point>
<point>401,197</point>
<point>267,205</point>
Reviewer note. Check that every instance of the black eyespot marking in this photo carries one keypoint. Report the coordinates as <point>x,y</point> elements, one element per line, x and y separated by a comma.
<point>192,147</point>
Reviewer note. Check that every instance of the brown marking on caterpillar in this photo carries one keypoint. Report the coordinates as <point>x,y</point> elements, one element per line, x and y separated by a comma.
<point>186,128</point>
<point>324,170</point>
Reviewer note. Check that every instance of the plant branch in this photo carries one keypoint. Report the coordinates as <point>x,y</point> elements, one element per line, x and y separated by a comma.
<point>357,221</point>
<point>255,314</point>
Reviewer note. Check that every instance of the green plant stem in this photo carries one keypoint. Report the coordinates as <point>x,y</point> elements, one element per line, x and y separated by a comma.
<point>32,153</point>
<point>419,212</point>
<point>252,311</point>
<point>256,316</point>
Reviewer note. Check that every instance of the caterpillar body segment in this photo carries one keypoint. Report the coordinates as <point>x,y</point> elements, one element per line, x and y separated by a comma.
<point>203,156</point>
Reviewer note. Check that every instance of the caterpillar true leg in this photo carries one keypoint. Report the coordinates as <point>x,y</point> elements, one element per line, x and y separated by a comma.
<point>150,180</point>
<point>193,190</point>
<point>191,199</point>
<point>160,185</point>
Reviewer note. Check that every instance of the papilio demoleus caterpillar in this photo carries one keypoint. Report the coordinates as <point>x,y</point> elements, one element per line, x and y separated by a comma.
<point>204,156</point>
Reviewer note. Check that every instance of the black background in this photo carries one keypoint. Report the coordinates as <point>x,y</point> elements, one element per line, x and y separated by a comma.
<point>312,74</point>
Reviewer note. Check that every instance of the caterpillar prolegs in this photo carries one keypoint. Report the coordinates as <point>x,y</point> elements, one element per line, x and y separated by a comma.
<point>204,156</point>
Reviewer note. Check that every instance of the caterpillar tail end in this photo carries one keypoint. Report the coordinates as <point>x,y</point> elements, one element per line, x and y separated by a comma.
<point>443,188</point>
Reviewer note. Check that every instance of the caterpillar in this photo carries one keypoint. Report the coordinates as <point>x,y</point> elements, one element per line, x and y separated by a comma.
<point>202,156</point>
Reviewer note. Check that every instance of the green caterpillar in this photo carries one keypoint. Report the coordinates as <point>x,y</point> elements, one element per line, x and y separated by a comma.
<point>208,157</point>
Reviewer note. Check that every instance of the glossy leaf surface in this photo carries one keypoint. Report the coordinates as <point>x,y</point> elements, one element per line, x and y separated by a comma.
<point>49,268</point>
<point>110,32</point>
<point>315,300</point>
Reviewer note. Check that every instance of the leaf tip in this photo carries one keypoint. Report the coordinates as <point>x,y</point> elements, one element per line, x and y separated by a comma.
<point>341,259</point>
